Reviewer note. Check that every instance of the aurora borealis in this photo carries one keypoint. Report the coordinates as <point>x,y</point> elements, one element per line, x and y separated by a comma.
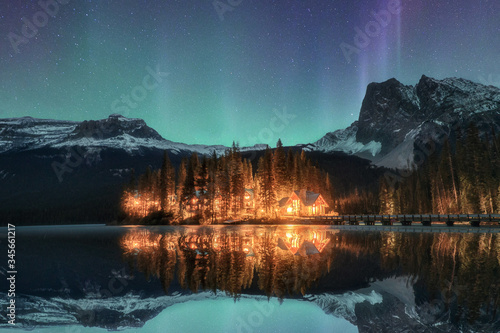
<point>233,66</point>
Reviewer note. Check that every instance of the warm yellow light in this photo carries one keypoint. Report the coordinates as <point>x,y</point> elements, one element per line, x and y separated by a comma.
<point>288,235</point>
<point>289,210</point>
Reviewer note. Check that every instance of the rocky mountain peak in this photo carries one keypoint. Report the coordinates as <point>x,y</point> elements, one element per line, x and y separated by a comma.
<point>113,126</point>
<point>387,105</point>
<point>395,117</point>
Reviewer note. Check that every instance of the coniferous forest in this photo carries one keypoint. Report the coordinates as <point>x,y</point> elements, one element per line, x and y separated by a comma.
<point>217,188</point>
<point>463,177</point>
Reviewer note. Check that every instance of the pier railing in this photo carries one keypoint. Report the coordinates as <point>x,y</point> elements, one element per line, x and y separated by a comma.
<point>407,219</point>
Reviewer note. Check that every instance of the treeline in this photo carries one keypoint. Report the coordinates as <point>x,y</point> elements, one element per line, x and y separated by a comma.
<point>215,188</point>
<point>461,179</point>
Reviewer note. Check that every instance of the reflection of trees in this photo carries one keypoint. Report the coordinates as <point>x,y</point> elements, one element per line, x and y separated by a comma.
<point>226,261</point>
<point>291,260</point>
<point>453,267</point>
<point>477,279</point>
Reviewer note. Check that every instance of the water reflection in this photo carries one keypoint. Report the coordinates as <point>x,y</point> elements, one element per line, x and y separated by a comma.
<point>458,273</point>
<point>285,260</point>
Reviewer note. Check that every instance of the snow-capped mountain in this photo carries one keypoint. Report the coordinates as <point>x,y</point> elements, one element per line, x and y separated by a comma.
<point>116,132</point>
<point>397,120</point>
<point>73,171</point>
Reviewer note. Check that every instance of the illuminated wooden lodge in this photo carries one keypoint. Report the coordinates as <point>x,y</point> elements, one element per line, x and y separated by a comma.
<point>303,203</point>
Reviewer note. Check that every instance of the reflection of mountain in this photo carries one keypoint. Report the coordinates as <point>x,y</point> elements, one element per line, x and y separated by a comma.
<point>379,281</point>
<point>441,269</point>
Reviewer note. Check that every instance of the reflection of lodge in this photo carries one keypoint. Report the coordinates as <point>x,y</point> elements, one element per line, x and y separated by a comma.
<point>292,259</point>
<point>298,245</point>
<point>287,260</point>
<point>303,203</point>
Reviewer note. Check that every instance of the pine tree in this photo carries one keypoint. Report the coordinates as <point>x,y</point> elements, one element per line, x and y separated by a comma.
<point>167,184</point>
<point>474,187</point>
<point>267,194</point>
<point>189,190</point>
<point>181,180</point>
<point>212,195</point>
<point>291,174</point>
<point>236,180</point>
<point>223,187</point>
<point>202,187</point>
<point>328,191</point>
<point>386,197</point>
<point>280,172</point>
<point>145,191</point>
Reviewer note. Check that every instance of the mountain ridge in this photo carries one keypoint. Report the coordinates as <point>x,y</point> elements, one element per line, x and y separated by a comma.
<point>69,171</point>
<point>116,131</point>
<point>395,118</point>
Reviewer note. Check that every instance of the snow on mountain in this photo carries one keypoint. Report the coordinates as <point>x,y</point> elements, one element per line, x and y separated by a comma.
<point>145,313</point>
<point>344,140</point>
<point>343,306</point>
<point>26,132</point>
<point>115,132</point>
<point>396,119</point>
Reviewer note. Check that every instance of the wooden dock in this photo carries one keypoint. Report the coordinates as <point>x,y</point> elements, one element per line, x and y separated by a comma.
<point>474,220</point>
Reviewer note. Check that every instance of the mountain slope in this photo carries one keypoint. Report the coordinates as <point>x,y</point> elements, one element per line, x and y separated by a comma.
<point>397,121</point>
<point>116,132</point>
<point>73,172</point>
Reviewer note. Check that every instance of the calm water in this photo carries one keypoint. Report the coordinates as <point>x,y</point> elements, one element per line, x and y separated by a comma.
<point>252,279</point>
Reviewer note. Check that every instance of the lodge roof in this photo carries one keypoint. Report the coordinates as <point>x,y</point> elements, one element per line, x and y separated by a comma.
<point>283,201</point>
<point>308,198</point>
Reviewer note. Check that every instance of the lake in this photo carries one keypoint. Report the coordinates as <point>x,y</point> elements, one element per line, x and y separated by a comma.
<point>96,278</point>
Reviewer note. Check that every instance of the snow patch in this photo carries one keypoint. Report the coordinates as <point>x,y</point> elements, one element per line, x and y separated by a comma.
<point>29,133</point>
<point>343,306</point>
<point>214,313</point>
<point>344,140</point>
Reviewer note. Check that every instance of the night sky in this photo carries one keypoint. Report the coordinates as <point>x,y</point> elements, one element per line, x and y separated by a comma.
<point>249,71</point>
